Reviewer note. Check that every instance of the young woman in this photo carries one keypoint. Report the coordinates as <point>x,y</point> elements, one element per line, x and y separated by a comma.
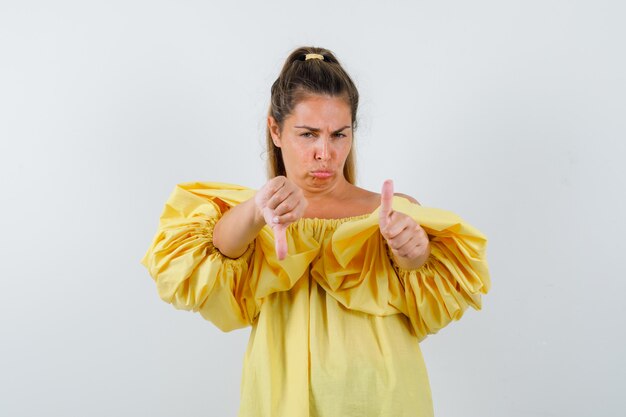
<point>339,284</point>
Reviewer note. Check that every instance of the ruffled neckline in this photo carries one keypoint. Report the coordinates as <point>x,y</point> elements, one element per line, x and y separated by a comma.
<point>337,220</point>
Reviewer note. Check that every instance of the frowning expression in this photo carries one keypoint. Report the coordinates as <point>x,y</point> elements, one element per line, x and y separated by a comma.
<point>315,141</point>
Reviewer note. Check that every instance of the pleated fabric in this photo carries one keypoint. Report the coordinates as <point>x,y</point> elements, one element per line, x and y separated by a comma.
<point>336,325</point>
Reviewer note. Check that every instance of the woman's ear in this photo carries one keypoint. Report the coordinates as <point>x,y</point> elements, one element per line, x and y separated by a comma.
<point>274,130</point>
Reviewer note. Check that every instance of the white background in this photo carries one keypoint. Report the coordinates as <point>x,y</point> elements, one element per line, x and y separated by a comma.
<point>509,113</point>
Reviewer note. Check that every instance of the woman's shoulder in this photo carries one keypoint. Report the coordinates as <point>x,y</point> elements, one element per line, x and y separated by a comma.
<point>374,198</point>
<point>408,197</point>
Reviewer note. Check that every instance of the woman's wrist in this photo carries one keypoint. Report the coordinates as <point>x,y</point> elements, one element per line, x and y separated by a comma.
<point>257,215</point>
<point>239,226</point>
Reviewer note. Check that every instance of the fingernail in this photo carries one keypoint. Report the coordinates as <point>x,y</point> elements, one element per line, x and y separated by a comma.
<point>275,219</point>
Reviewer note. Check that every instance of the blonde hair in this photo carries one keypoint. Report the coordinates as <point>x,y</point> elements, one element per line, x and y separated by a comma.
<point>299,78</point>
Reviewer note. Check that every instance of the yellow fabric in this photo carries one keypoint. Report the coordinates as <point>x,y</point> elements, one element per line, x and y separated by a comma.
<point>336,325</point>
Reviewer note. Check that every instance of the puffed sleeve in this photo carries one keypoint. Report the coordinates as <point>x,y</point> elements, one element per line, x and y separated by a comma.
<point>192,274</point>
<point>454,276</point>
<point>359,270</point>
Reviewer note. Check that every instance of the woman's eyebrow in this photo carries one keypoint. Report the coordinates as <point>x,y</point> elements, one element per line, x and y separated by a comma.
<point>317,129</point>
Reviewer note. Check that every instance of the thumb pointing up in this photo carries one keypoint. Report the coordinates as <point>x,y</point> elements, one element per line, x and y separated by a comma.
<point>386,203</point>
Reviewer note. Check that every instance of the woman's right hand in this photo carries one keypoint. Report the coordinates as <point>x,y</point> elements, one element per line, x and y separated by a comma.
<point>281,202</point>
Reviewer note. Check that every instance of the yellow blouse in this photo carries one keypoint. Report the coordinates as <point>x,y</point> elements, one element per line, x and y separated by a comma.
<point>336,325</point>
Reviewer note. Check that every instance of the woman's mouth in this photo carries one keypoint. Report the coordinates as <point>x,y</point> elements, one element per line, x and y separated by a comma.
<point>322,174</point>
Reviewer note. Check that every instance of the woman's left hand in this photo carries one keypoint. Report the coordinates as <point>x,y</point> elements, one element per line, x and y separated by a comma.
<point>407,240</point>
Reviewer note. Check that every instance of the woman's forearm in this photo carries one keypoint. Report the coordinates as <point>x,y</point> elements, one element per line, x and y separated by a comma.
<point>237,228</point>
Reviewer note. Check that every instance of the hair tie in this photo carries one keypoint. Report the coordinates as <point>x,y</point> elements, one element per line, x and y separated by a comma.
<point>313,56</point>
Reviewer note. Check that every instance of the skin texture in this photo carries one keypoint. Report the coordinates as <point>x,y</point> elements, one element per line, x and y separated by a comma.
<point>323,145</point>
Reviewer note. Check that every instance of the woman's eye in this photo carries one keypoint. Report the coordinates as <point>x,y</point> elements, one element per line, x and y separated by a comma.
<point>341,135</point>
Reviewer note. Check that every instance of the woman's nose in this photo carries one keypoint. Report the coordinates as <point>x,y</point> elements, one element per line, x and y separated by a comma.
<point>322,151</point>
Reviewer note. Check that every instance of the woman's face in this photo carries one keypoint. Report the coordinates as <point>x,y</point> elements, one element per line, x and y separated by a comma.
<point>315,141</point>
